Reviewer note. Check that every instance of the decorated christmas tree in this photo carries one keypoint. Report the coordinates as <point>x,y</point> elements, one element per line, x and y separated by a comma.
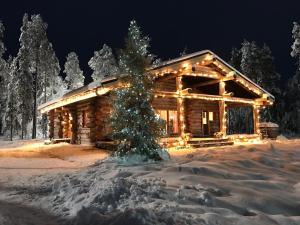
<point>135,123</point>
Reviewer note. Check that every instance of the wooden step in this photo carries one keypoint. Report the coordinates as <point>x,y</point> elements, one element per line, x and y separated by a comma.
<point>195,141</point>
<point>107,145</point>
<point>60,140</point>
<point>211,144</point>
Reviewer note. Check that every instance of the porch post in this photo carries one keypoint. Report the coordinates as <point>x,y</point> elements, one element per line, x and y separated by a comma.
<point>65,123</point>
<point>73,121</point>
<point>50,115</point>
<point>58,132</point>
<point>180,106</point>
<point>256,117</point>
<point>222,108</point>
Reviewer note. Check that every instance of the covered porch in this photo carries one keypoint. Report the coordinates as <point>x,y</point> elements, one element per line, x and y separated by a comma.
<point>197,100</point>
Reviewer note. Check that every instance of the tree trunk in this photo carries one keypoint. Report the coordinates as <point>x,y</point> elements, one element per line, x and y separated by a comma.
<point>34,106</point>
<point>11,127</point>
<point>44,117</point>
<point>22,128</point>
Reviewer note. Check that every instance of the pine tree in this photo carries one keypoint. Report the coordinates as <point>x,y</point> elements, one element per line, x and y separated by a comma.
<point>34,38</point>
<point>74,75</point>
<point>43,64</point>
<point>257,63</point>
<point>103,64</point>
<point>250,62</point>
<point>291,120</point>
<point>11,113</point>
<point>24,91</point>
<point>236,58</point>
<point>24,81</point>
<point>4,74</point>
<point>134,121</point>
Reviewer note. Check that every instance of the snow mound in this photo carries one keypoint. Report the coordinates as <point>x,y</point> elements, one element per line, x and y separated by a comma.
<point>72,193</point>
<point>268,124</point>
<point>281,138</point>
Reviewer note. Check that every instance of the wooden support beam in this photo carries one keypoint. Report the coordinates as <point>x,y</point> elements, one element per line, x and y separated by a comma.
<point>206,83</point>
<point>166,77</point>
<point>168,94</point>
<point>180,106</point>
<point>222,108</point>
<point>256,119</point>
<point>222,116</point>
<point>211,82</point>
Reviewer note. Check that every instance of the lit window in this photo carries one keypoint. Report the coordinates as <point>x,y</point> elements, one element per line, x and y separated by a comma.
<point>173,122</point>
<point>204,118</point>
<point>171,118</point>
<point>163,114</point>
<point>211,116</point>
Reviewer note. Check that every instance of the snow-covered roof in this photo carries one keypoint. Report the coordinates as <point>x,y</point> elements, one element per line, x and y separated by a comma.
<point>216,57</point>
<point>92,88</point>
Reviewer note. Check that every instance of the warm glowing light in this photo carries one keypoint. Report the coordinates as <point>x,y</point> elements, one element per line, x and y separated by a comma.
<point>209,57</point>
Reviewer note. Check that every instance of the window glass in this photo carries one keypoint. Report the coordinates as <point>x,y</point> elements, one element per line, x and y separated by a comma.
<point>204,118</point>
<point>211,116</point>
<point>163,114</point>
<point>173,122</point>
<point>171,118</point>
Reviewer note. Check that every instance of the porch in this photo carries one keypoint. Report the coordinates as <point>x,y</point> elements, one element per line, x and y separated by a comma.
<point>202,103</point>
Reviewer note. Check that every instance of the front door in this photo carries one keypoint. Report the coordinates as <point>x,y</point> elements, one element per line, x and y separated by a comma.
<point>205,123</point>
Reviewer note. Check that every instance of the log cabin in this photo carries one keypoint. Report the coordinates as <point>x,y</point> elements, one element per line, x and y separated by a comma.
<point>193,94</point>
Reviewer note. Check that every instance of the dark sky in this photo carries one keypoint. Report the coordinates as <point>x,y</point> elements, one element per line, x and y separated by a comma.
<point>84,26</point>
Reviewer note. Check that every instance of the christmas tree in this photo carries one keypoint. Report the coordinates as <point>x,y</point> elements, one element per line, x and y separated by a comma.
<point>135,123</point>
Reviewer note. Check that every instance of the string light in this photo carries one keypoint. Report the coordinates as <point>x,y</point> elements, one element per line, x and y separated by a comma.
<point>71,99</point>
<point>203,96</point>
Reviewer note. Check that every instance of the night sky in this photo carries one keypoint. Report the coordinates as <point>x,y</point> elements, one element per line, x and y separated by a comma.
<point>84,26</point>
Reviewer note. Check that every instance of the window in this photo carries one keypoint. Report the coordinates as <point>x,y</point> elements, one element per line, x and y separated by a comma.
<point>211,116</point>
<point>171,118</point>
<point>204,118</point>
<point>84,118</point>
<point>173,122</point>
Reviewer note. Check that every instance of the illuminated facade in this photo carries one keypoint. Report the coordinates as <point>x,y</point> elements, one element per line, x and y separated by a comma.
<point>192,93</point>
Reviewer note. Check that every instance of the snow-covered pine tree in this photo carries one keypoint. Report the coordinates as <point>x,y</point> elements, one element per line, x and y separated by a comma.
<point>43,65</point>
<point>235,59</point>
<point>24,81</point>
<point>24,91</point>
<point>134,121</point>
<point>12,109</point>
<point>74,75</point>
<point>4,74</point>
<point>34,38</point>
<point>291,120</point>
<point>258,64</point>
<point>103,64</point>
<point>250,61</point>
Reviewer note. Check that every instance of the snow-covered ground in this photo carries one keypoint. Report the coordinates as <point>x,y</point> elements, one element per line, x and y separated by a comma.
<point>242,184</point>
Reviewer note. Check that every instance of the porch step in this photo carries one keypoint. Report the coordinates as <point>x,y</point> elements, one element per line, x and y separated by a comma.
<point>107,145</point>
<point>207,140</point>
<point>202,143</point>
<point>60,140</point>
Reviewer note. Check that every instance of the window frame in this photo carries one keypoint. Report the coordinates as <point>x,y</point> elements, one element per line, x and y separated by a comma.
<point>167,127</point>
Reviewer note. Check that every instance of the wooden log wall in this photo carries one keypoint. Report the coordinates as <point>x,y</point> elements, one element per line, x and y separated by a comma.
<point>193,111</point>
<point>74,124</point>
<point>102,118</point>
<point>86,126</point>
<point>164,103</point>
<point>58,129</point>
<point>163,84</point>
<point>51,124</point>
<point>65,123</point>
